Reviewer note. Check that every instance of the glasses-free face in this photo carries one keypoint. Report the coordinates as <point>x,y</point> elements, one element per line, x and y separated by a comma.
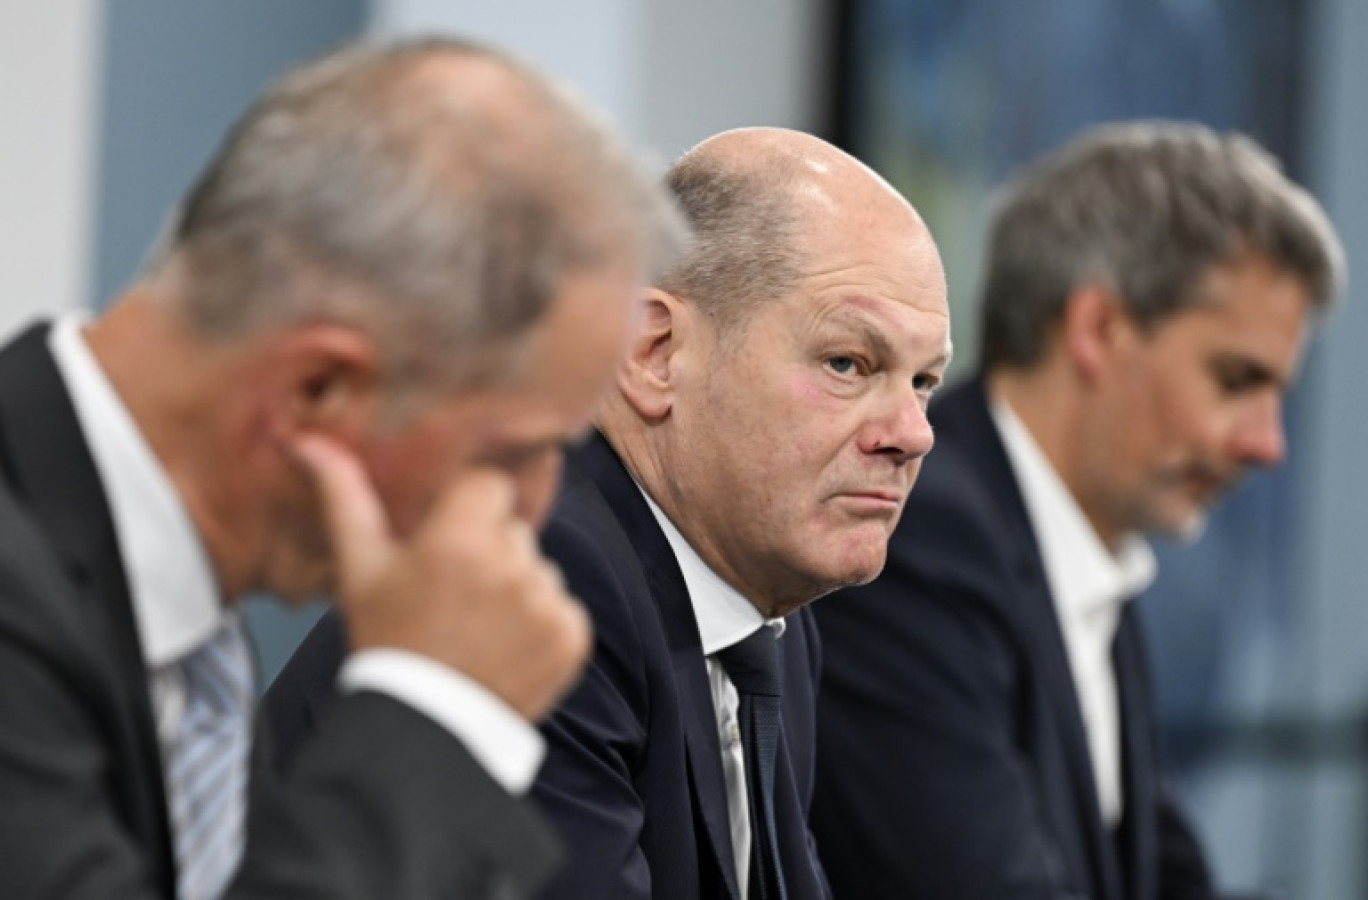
<point>1196,402</point>
<point>798,439</point>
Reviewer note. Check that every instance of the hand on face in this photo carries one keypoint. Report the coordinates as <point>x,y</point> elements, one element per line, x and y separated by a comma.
<point>468,588</point>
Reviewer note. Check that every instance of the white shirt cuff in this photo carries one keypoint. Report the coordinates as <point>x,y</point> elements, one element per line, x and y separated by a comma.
<point>502,741</point>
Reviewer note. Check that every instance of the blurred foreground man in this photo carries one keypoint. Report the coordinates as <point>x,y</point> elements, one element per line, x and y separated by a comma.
<point>403,282</point>
<point>756,454</point>
<point>986,723</point>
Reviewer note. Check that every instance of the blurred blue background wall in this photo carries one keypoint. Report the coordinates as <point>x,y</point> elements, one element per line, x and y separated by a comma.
<point>107,109</point>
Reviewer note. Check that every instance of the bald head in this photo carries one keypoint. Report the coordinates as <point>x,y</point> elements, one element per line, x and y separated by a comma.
<point>760,202</point>
<point>773,403</point>
<point>434,193</point>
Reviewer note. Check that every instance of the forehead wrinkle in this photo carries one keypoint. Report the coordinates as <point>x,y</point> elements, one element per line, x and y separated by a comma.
<point>923,290</point>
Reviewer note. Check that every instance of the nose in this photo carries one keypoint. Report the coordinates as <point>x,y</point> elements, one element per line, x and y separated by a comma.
<point>1258,438</point>
<point>537,482</point>
<point>901,432</point>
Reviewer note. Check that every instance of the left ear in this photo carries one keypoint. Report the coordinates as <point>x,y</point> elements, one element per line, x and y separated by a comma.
<point>325,378</point>
<point>1096,327</point>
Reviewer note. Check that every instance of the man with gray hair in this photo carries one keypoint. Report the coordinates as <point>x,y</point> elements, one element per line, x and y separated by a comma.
<point>398,289</point>
<point>986,725</point>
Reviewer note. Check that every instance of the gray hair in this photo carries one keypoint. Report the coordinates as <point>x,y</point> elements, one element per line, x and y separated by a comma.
<point>438,207</point>
<point>744,230</point>
<point>1145,209</point>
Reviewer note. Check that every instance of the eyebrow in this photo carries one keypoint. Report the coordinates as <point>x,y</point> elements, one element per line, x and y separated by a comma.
<point>878,340</point>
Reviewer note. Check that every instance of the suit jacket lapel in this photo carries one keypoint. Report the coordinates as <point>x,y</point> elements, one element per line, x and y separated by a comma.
<point>44,458</point>
<point>968,415</point>
<point>666,582</point>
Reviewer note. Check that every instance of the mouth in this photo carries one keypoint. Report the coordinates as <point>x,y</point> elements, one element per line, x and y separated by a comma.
<point>876,501</point>
<point>1207,487</point>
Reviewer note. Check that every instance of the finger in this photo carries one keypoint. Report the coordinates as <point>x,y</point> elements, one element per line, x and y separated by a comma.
<point>481,499</point>
<point>355,518</point>
<point>524,541</point>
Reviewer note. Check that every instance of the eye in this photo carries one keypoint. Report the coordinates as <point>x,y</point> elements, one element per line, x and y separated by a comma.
<point>925,383</point>
<point>843,365</point>
<point>1235,377</point>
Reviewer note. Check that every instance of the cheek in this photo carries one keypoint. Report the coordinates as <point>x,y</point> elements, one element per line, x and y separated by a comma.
<point>802,386</point>
<point>1189,423</point>
<point>806,390</point>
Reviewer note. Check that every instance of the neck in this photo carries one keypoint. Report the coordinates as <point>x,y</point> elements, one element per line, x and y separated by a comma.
<point>645,453</point>
<point>171,382</point>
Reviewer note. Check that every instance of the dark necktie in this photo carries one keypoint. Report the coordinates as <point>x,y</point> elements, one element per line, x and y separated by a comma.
<point>753,667</point>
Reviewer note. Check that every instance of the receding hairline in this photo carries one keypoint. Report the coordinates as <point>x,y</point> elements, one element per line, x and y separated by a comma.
<point>774,183</point>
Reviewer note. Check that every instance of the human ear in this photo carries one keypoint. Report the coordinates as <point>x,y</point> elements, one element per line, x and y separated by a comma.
<point>647,376</point>
<point>325,378</point>
<point>1096,326</point>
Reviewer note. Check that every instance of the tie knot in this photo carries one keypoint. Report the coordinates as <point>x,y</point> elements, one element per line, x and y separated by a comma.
<point>753,664</point>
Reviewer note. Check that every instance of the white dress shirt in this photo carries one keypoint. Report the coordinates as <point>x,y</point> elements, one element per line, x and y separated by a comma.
<point>1090,586</point>
<point>175,596</point>
<point>724,618</point>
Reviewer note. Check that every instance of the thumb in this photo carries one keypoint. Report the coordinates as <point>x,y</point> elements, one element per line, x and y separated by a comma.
<point>357,527</point>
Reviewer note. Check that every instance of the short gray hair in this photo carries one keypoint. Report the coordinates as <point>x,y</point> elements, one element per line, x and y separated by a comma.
<point>744,231</point>
<point>1146,209</point>
<point>439,212</point>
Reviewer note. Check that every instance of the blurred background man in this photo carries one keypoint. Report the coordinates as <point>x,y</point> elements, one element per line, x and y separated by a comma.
<point>397,290</point>
<point>986,721</point>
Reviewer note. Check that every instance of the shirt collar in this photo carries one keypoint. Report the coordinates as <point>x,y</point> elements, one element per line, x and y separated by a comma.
<point>1084,576</point>
<point>175,597</point>
<point>724,616</point>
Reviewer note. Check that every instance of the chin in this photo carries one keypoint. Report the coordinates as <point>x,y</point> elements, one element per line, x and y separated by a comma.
<point>861,566</point>
<point>1191,529</point>
<point>1184,526</point>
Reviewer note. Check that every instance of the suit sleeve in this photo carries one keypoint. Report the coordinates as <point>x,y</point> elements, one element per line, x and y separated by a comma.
<point>922,790</point>
<point>383,804</point>
<point>594,740</point>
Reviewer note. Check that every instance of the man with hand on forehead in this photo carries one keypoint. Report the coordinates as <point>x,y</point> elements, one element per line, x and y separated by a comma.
<point>400,286</point>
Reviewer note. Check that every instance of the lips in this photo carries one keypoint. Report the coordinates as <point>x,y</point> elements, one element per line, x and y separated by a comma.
<point>878,502</point>
<point>894,497</point>
<point>1208,485</point>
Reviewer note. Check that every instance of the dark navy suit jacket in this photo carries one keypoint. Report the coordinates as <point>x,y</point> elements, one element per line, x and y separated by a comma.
<point>953,761</point>
<point>633,774</point>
